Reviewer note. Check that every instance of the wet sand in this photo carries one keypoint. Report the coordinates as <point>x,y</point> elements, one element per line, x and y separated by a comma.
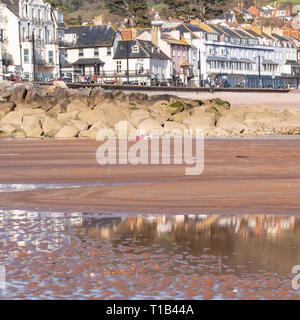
<point>240,176</point>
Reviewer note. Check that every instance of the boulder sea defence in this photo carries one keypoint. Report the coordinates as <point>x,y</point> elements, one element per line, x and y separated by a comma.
<point>54,111</point>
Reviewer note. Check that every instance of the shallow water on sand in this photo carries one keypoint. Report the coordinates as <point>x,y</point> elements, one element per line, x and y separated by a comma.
<point>103,256</point>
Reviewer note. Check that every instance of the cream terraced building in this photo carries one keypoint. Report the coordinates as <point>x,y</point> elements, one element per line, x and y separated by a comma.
<point>28,39</point>
<point>240,57</point>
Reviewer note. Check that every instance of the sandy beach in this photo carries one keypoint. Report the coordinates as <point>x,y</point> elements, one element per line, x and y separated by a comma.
<point>240,176</point>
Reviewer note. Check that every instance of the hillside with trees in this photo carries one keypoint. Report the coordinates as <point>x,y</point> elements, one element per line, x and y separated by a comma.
<point>140,12</point>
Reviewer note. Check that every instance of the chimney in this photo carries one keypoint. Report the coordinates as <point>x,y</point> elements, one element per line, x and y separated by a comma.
<point>155,35</point>
<point>134,33</point>
<point>126,34</point>
<point>268,30</point>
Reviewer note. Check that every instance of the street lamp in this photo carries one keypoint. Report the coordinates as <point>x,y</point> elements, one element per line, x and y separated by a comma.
<point>259,71</point>
<point>199,68</point>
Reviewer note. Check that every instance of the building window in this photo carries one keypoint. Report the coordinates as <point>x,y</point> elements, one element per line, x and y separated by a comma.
<point>174,53</point>
<point>26,55</point>
<point>119,66</point>
<point>135,49</point>
<point>108,52</point>
<point>96,52</point>
<point>80,53</point>
<point>50,56</point>
<point>32,14</point>
<point>183,54</point>
<point>66,54</point>
<point>60,17</point>
<point>23,34</point>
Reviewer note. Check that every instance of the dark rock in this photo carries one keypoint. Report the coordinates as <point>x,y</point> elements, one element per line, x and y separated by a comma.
<point>63,105</point>
<point>59,93</point>
<point>6,94</point>
<point>39,90</point>
<point>77,97</point>
<point>7,107</point>
<point>85,91</point>
<point>158,97</point>
<point>97,91</point>
<point>43,102</point>
<point>19,92</point>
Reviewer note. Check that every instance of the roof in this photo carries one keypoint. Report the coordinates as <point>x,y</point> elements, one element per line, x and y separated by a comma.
<point>12,5</point>
<point>252,33</point>
<point>186,27</point>
<point>91,36</point>
<point>278,37</point>
<point>146,50</point>
<point>87,61</point>
<point>171,40</point>
<point>217,29</point>
<point>246,11</point>
<point>292,62</point>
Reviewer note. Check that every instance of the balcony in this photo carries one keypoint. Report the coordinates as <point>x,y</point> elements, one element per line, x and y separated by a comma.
<point>44,63</point>
<point>242,72</point>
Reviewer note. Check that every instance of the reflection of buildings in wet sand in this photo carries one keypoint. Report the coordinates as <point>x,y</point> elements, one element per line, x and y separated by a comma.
<point>24,227</point>
<point>242,225</point>
<point>42,231</point>
<point>242,240</point>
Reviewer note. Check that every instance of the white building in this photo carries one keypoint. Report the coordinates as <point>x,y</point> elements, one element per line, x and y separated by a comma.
<point>29,43</point>
<point>141,62</point>
<point>90,50</point>
<point>239,57</point>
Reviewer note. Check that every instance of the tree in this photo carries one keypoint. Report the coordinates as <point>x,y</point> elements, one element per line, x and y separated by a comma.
<point>136,10</point>
<point>195,9</point>
<point>79,19</point>
<point>116,7</point>
<point>240,18</point>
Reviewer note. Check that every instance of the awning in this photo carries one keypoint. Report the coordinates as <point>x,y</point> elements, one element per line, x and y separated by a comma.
<point>212,58</point>
<point>87,61</point>
<point>269,62</point>
<point>292,63</point>
<point>246,60</point>
<point>185,64</point>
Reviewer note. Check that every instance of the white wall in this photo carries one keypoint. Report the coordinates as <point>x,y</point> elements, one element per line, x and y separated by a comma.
<point>11,35</point>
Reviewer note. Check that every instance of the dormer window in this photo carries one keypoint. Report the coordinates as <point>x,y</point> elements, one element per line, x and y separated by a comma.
<point>135,49</point>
